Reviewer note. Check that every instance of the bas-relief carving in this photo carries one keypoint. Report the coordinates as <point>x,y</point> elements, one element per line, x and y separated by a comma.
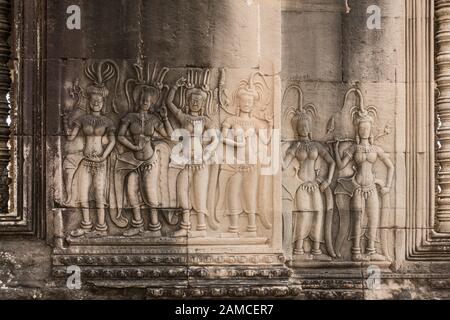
<point>138,172</point>
<point>310,194</point>
<point>193,182</point>
<point>361,197</point>
<point>87,170</point>
<point>242,182</point>
<point>127,163</point>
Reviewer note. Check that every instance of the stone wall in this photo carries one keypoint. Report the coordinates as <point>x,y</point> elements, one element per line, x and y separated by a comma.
<point>332,217</point>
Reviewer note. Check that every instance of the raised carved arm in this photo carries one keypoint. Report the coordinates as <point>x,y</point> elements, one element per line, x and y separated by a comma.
<point>171,96</point>
<point>165,129</point>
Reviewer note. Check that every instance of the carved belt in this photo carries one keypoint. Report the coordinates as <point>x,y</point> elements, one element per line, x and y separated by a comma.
<point>147,165</point>
<point>93,167</point>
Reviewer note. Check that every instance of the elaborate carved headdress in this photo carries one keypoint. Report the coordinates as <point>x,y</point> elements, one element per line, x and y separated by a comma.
<point>302,111</point>
<point>147,81</point>
<point>99,74</point>
<point>198,83</point>
<point>253,88</point>
<point>360,112</point>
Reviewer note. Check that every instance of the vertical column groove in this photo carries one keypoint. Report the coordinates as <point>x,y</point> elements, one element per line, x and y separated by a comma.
<point>442,61</point>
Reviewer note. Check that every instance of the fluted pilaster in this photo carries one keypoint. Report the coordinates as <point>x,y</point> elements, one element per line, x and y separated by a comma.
<point>443,112</point>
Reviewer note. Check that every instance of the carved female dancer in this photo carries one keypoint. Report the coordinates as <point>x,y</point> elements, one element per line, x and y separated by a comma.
<point>362,187</point>
<point>99,141</point>
<point>309,197</point>
<point>192,181</point>
<point>241,133</point>
<point>140,167</point>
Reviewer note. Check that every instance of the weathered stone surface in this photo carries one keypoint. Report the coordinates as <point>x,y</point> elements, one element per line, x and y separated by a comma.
<point>339,204</point>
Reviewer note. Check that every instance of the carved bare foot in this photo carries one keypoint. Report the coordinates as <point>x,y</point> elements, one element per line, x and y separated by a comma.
<point>229,235</point>
<point>133,232</point>
<point>376,257</point>
<point>302,255</point>
<point>180,233</point>
<point>80,232</point>
<point>197,234</point>
<point>249,234</point>
<point>322,257</point>
<point>359,257</point>
<point>97,234</point>
<point>151,234</point>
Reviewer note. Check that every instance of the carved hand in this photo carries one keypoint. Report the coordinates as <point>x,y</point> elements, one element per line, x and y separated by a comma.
<point>324,185</point>
<point>163,112</point>
<point>141,143</point>
<point>385,190</point>
<point>336,146</point>
<point>181,82</point>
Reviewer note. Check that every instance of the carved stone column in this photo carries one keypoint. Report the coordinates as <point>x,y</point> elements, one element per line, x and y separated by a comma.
<point>5,82</point>
<point>442,8</point>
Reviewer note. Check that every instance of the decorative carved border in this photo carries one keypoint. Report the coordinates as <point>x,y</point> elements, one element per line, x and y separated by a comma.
<point>26,39</point>
<point>422,240</point>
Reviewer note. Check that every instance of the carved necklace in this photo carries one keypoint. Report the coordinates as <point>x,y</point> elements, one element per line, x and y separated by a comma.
<point>306,145</point>
<point>365,149</point>
<point>245,123</point>
<point>95,121</point>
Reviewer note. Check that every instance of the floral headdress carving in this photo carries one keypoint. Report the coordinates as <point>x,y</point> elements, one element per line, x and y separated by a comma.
<point>198,83</point>
<point>254,88</point>
<point>302,111</point>
<point>99,74</point>
<point>148,80</point>
<point>360,112</point>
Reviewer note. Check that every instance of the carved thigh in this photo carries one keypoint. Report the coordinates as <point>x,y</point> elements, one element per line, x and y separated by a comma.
<point>373,216</point>
<point>303,225</point>
<point>151,186</point>
<point>133,189</point>
<point>200,195</point>
<point>250,191</point>
<point>316,233</point>
<point>99,183</point>
<point>234,194</point>
<point>183,189</point>
<point>84,185</point>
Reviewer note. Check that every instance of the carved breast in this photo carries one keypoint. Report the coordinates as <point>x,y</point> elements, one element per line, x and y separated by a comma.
<point>361,156</point>
<point>302,154</point>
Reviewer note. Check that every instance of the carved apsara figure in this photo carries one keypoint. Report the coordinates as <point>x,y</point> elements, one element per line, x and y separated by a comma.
<point>309,205</point>
<point>90,179</point>
<point>137,171</point>
<point>199,144</point>
<point>240,134</point>
<point>367,194</point>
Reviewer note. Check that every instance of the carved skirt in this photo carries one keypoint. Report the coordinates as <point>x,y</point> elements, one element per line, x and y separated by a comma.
<point>91,180</point>
<point>364,207</point>
<point>308,198</point>
<point>308,212</point>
